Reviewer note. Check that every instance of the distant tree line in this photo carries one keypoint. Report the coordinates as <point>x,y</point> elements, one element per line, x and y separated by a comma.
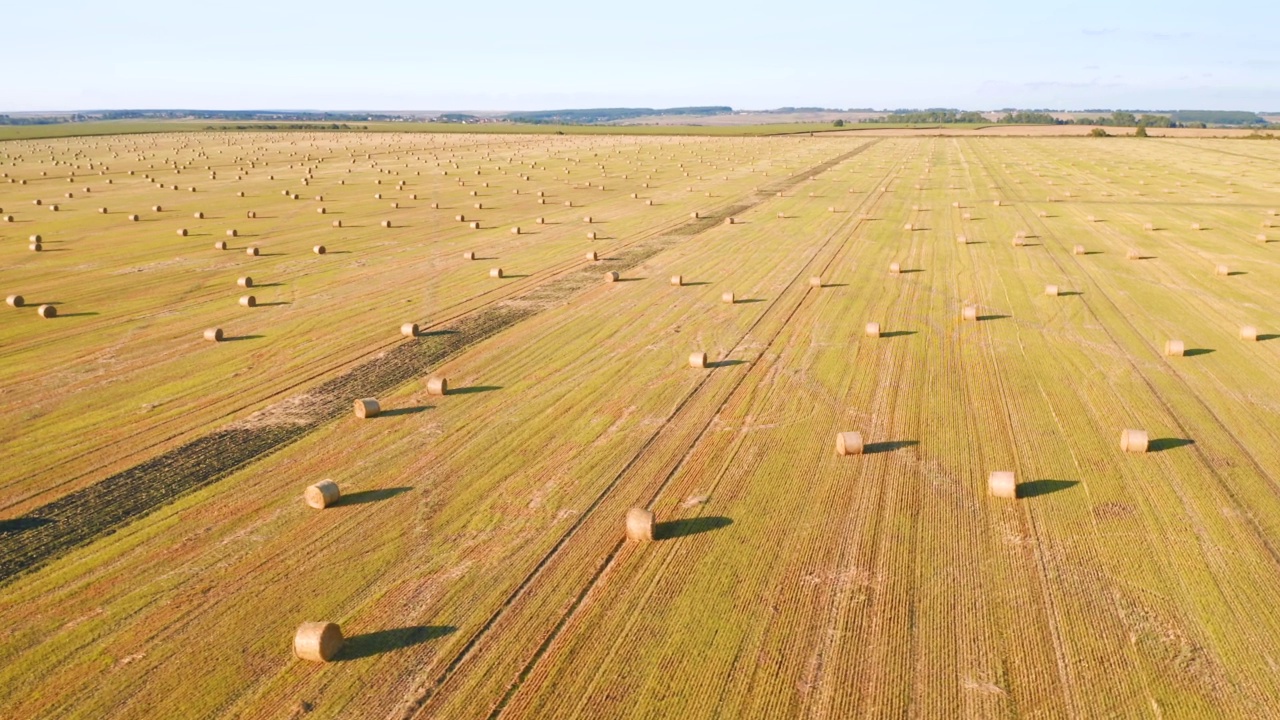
<point>597,115</point>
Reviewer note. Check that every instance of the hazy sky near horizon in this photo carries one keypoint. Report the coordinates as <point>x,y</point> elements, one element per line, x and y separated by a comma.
<point>499,55</point>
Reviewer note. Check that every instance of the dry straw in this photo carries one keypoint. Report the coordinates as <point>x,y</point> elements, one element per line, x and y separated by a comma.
<point>1249,333</point>
<point>1221,270</point>
<point>970,313</point>
<point>220,245</point>
<point>437,386</point>
<point>322,494</point>
<point>1134,441</point>
<point>1002,484</point>
<point>592,255</point>
<point>873,330</point>
<point>1077,250</point>
<point>895,268</point>
<point>367,408</point>
<point>15,301</point>
<point>726,297</point>
<point>698,360</point>
<point>495,272</point>
<point>317,641</point>
<point>252,251</point>
<point>639,525</point>
<point>213,334</point>
<point>1174,348</point>
<point>409,329</point>
<point>611,277</point>
<point>47,311</point>
<point>849,443</point>
<point>677,280</point>
<point>815,281</point>
<point>245,282</point>
<point>1051,290</point>
<point>469,255</point>
<point>248,301</point>
<point>1133,255</point>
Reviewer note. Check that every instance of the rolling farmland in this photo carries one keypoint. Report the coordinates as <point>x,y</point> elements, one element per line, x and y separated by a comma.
<point>156,555</point>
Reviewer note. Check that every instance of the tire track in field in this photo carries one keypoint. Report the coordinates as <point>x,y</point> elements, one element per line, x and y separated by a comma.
<point>421,696</point>
<point>29,541</point>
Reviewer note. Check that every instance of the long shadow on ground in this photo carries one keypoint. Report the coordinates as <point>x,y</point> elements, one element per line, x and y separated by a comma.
<point>692,526</point>
<point>383,641</point>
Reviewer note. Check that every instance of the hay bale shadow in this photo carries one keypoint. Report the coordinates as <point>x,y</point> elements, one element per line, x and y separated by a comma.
<point>18,524</point>
<point>1162,444</point>
<point>474,389</point>
<point>404,411</point>
<point>887,446</point>
<point>383,641</point>
<point>725,363</point>
<point>242,337</point>
<point>1192,352</point>
<point>984,318</point>
<point>361,497</point>
<point>741,301</point>
<point>691,526</point>
<point>1036,488</point>
<point>897,333</point>
<point>1264,338</point>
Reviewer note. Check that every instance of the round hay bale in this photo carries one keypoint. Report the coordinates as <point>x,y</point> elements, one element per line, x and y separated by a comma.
<point>156,208</point>
<point>475,225</point>
<point>9,218</point>
<point>729,221</point>
<point>1002,484</point>
<point>47,311</point>
<point>317,641</point>
<point>962,240</point>
<point>252,214</point>
<point>587,219</point>
<point>541,221</point>
<point>969,313</point>
<point>1133,255</point>
<point>1051,290</point>
<point>677,280</point>
<point>53,208</point>
<point>727,297</point>
<point>611,277</point>
<point>591,235</point>
<point>495,272</point>
<point>1134,441</point>
<point>1249,333</point>
<point>1195,226</point>
<point>248,301</point>
<point>253,251</point>
<point>1262,237</point>
<point>367,408</point>
<point>437,386</point>
<point>849,443</point>
<point>133,218</point>
<point>1019,242</point>
<point>593,255</point>
<point>220,245</point>
<point>469,255</point>
<point>409,329</point>
<point>320,210</point>
<point>15,301</point>
<point>996,203</point>
<point>515,230</point>
<point>232,233</point>
<point>386,223</point>
<point>895,268</point>
<point>639,525</point>
<point>35,239</point>
<point>698,360</point>
<point>1148,227</point>
<point>1174,348</point>
<point>873,330</point>
<point>1077,250</point>
<point>337,223</point>
<point>695,215</point>
<point>322,494</point>
<point>908,227</point>
<point>35,247</point>
<point>213,334</point>
<point>245,282</point>
<point>182,232</point>
<point>1221,270</point>
<point>479,206</point>
<point>648,202</point>
<point>815,281</point>
<point>318,249</point>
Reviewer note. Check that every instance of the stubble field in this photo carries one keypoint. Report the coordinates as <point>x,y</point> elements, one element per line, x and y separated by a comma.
<point>156,555</point>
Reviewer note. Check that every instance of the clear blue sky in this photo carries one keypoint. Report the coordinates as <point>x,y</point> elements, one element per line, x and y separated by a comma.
<point>976,54</point>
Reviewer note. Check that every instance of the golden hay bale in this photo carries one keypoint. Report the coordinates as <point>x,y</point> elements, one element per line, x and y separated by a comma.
<point>1042,214</point>
<point>252,251</point>
<point>220,245</point>
<point>232,233</point>
<point>248,301</point>
<point>53,208</point>
<point>849,443</point>
<point>213,334</point>
<point>322,494</point>
<point>895,268</point>
<point>156,208</point>
<point>969,313</point>
<point>1262,237</point>
<point>695,215</point>
<point>1195,226</point>
<point>815,281</point>
<point>35,247</point>
<point>908,227</point>
<point>47,311</point>
<point>367,408</point>
<point>469,255</point>
<point>996,203</point>
<point>1134,441</point>
<point>479,206</point>
<point>639,525</point>
<point>9,218</point>
<point>698,360</point>
<point>1249,333</point>
<point>1077,250</point>
<point>872,330</point>
<point>386,223</point>
<point>1174,348</point>
<point>475,226</point>
<point>611,277</point>
<point>1051,290</point>
<point>182,232</point>
<point>591,235</point>
<point>729,221</point>
<point>1148,227</point>
<point>317,641</point>
<point>677,280</point>
<point>1133,255</point>
<point>409,329</point>
<point>318,249</point>
<point>593,255</point>
<point>133,218</point>
<point>726,297</point>
<point>245,282</point>
<point>15,301</point>
<point>437,386</point>
<point>1002,484</point>
<point>541,221</point>
<point>320,210</point>
<point>495,272</point>
<point>515,230</point>
<point>1221,270</point>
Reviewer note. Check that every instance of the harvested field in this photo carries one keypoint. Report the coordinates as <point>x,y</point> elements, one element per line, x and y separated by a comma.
<point>156,557</point>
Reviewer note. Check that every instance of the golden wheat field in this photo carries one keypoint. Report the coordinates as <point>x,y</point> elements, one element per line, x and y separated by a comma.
<point>1032,299</point>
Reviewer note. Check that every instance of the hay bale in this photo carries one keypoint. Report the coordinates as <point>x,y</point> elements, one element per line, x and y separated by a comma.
<point>698,360</point>
<point>409,329</point>
<point>248,301</point>
<point>469,255</point>
<point>133,218</point>
<point>726,297</point>
<point>961,239</point>
<point>386,223</point>
<point>320,210</point>
<point>475,225</point>
<point>639,525</point>
<point>213,334</point>
<point>322,494</point>
<point>677,280</point>
<point>495,272</point>
<point>515,230</point>
<point>35,247</point>
<point>1249,333</point>
<point>1134,441</point>
<point>318,249</point>
<point>317,641</point>
<point>729,221</point>
<point>182,232</point>
<point>1133,255</point>
<point>245,282</point>
<point>969,313</point>
<point>252,214</point>
<point>591,235</point>
<point>908,227</point>
<point>156,208</point>
<point>220,245</point>
<point>1221,270</point>
<point>593,255</point>
<point>366,408</point>
<point>1077,250</point>
<point>815,281</point>
<point>15,301</point>
<point>1174,348</point>
<point>1195,226</point>
<point>895,268</point>
<point>849,443</point>
<point>1148,227</point>
<point>695,215</point>
<point>232,233</point>
<point>47,311</point>
<point>872,330</point>
<point>437,386</point>
<point>1002,484</point>
<point>252,251</point>
<point>996,203</point>
<point>1262,237</point>
<point>611,277</point>
<point>1051,290</point>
